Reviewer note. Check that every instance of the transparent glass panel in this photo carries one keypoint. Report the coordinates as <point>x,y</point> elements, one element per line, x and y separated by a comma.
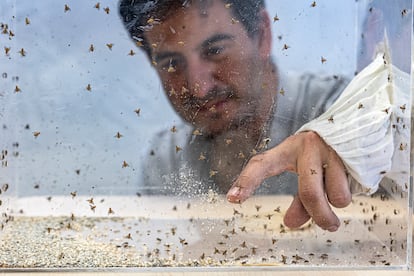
<point>125,124</point>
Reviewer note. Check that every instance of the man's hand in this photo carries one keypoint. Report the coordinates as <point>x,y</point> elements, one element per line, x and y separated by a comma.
<point>322,179</point>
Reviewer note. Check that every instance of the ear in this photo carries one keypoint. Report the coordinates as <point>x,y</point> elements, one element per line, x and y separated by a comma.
<point>264,35</point>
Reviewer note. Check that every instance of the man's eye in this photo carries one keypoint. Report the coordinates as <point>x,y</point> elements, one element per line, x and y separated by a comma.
<point>213,51</point>
<point>170,66</point>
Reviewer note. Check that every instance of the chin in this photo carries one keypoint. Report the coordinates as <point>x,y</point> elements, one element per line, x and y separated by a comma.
<point>219,129</point>
<point>215,125</point>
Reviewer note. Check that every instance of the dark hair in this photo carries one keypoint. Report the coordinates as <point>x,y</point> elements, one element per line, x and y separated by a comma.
<point>139,16</point>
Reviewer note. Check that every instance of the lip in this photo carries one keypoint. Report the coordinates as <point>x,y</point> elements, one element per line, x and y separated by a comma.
<point>215,105</point>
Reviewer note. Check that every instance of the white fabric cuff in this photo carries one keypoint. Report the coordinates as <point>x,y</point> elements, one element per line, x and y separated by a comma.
<point>368,126</point>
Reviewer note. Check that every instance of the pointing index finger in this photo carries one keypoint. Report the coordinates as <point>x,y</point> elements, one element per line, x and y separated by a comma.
<point>261,166</point>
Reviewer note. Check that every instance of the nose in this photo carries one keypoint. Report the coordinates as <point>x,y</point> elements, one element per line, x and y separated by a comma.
<point>200,77</point>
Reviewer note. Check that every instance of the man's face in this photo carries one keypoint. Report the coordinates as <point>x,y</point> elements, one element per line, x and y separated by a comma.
<point>210,68</point>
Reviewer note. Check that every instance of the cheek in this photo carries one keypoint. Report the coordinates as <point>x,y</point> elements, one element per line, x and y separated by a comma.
<point>228,71</point>
<point>172,85</point>
<point>178,99</point>
<point>238,67</point>
<point>179,106</point>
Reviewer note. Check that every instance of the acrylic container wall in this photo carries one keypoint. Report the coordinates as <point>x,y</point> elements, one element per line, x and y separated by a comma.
<point>80,105</point>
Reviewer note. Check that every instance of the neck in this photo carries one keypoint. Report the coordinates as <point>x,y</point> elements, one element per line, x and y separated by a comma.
<point>258,128</point>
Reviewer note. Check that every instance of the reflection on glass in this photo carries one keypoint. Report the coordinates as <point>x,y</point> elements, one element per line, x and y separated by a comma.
<point>205,133</point>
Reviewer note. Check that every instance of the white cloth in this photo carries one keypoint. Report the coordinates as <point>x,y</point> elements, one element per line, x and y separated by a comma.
<point>369,126</point>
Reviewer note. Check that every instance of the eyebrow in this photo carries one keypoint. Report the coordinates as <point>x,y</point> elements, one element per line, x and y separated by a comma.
<point>164,55</point>
<point>216,38</point>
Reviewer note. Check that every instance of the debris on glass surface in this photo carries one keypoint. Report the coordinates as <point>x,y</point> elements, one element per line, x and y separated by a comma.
<point>36,134</point>
<point>202,156</point>
<point>27,21</point>
<point>197,132</point>
<point>22,52</point>
<point>213,173</point>
<point>110,211</point>
<point>89,87</point>
<point>150,21</point>
<point>109,45</point>
<point>172,92</point>
<point>97,5</point>
<point>4,187</point>
<point>4,28</point>
<point>171,69</point>
<point>7,50</point>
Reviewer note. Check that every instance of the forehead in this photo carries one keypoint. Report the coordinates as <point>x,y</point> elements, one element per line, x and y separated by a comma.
<point>191,25</point>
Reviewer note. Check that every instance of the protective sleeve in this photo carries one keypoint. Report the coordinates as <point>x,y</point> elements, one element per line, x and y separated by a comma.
<point>369,126</point>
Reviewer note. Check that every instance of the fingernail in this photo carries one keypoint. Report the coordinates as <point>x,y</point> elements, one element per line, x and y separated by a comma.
<point>235,191</point>
<point>332,228</point>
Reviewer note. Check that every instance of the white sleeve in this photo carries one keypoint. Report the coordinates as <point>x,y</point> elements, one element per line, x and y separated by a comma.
<point>369,126</point>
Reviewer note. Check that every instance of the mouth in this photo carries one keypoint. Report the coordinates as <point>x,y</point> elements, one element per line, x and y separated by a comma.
<point>217,103</point>
<point>214,106</point>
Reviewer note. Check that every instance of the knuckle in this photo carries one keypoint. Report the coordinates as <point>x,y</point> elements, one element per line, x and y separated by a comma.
<point>308,195</point>
<point>311,138</point>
